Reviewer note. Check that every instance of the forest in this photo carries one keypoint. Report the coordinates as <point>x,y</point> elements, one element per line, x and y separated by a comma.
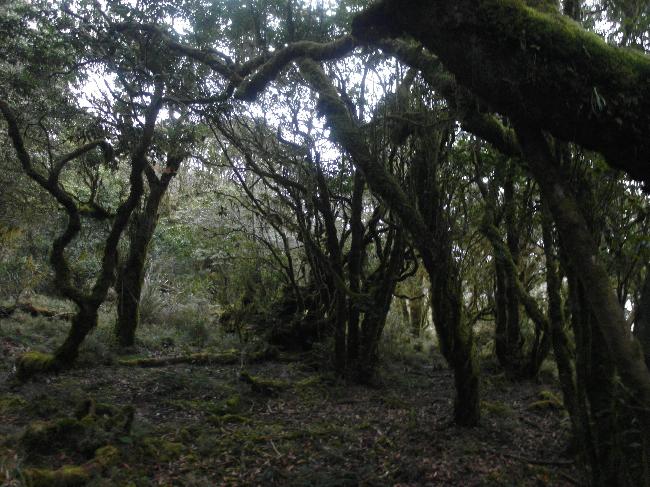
<point>324,243</point>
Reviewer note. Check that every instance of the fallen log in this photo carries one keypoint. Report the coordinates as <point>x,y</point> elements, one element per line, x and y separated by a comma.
<point>32,310</point>
<point>229,357</point>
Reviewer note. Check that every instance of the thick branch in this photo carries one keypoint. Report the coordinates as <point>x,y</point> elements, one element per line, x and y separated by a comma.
<point>537,67</point>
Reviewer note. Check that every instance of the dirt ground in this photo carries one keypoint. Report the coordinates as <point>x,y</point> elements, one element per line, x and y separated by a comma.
<point>202,426</point>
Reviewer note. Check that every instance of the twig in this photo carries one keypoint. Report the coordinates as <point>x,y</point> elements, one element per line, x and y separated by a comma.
<point>275,449</point>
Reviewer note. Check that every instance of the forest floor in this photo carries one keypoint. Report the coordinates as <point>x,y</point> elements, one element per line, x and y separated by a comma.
<point>200,425</point>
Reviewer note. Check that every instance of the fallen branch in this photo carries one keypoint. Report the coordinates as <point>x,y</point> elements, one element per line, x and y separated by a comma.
<point>532,461</point>
<point>29,308</point>
<point>226,358</point>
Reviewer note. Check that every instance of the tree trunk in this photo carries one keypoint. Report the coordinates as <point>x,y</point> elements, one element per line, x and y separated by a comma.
<point>354,265</point>
<point>456,339</point>
<point>84,321</point>
<point>131,274</point>
<point>642,322</point>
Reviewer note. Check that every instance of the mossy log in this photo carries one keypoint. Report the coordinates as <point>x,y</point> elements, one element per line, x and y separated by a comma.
<point>532,65</point>
<point>225,358</point>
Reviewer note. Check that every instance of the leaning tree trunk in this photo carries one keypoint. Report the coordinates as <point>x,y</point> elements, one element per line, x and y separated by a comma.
<point>611,345</point>
<point>131,274</point>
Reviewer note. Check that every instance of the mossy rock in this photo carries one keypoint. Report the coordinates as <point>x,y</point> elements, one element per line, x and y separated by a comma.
<point>46,436</point>
<point>33,363</point>
<point>94,426</point>
<point>73,475</point>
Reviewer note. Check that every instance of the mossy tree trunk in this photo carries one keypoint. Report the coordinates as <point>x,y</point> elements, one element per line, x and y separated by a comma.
<point>131,273</point>
<point>355,265</point>
<point>508,339</point>
<point>605,347</point>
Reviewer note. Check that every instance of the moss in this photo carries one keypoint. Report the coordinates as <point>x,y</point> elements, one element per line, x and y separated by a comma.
<point>547,400</point>
<point>45,436</point>
<point>267,387</point>
<point>68,476</point>
<point>311,381</point>
<point>31,363</point>
<point>84,435</point>
<point>106,456</point>
<point>497,408</point>
<point>11,403</point>
<point>228,419</point>
<point>229,406</point>
<point>162,450</point>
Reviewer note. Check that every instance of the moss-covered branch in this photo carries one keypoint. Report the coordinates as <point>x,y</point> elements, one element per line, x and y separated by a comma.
<point>538,67</point>
<point>252,86</point>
